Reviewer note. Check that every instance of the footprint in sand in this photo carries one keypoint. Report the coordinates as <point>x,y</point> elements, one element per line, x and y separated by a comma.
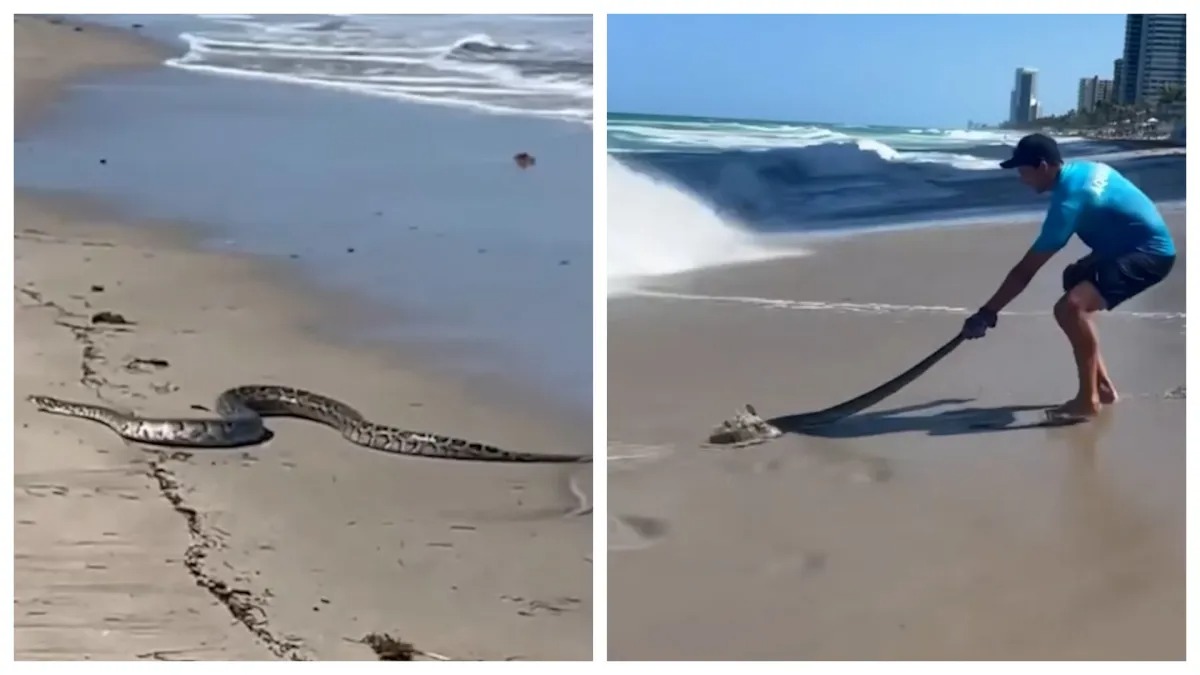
<point>634,533</point>
<point>806,564</point>
<point>871,470</point>
<point>628,464</point>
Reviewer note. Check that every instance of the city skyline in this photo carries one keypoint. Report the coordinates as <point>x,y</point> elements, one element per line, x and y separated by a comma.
<point>1152,56</point>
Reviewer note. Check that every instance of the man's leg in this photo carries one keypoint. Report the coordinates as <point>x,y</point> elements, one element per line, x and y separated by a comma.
<point>1122,278</point>
<point>1108,391</point>
<point>1073,311</point>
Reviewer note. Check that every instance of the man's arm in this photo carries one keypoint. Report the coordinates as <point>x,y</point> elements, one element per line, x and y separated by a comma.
<point>1056,232</point>
<point>1018,278</point>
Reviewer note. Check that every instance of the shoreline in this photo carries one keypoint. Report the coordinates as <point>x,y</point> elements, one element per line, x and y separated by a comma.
<point>234,550</point>
<point>1136,143</point>
<point>800,245</point>
<point>40,82</point>
<point>359,240</point>
<point>337,309</point>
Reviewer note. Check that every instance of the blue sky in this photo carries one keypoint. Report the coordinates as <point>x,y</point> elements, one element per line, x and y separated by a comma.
<point>905,70</point>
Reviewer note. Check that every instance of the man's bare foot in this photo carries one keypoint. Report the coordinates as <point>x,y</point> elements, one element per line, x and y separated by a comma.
<point>1076,408</point>
<point>1108,395</point>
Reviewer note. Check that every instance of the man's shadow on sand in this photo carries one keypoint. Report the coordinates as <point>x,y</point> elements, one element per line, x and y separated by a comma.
<point>956,421</point>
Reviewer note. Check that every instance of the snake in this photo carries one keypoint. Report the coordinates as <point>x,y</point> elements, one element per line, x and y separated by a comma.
<point>746,427</point>
<point>239,422</point>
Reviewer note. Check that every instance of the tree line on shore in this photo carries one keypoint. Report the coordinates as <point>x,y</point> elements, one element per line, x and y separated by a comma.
<point>1170,107</point>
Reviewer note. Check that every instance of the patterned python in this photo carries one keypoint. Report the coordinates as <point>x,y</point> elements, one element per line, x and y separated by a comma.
<point>241,410</point>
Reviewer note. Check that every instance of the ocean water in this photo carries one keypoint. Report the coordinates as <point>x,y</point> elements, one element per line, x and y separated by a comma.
<point>687,192</point>
<point>533,65</point>
<point>340,145</point>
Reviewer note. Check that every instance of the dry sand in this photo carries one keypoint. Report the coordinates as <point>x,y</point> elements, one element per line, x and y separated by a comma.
<point>48,52</point>
<point>911,532</point>
<point>292,549</point>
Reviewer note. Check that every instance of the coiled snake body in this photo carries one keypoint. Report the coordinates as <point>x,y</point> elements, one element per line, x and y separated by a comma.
<point>241,411</point>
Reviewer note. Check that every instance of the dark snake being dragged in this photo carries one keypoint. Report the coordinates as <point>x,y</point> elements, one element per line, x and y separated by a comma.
<point>241,411</point>
<point>746,427</point>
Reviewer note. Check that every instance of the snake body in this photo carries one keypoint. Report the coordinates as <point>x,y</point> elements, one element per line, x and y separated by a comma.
<point>240,412</point>
<point>747,428</point>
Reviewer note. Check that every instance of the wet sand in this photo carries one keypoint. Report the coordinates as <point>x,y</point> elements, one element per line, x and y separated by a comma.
<point>293,549</point>
<point>939,524</point>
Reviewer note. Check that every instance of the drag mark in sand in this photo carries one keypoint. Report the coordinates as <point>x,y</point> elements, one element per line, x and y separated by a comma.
<point>864,307</point>
<point>243,605</point>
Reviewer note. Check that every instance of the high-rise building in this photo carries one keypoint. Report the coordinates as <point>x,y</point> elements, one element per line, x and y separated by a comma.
<point>1118,72</point>
<point>1129,59</point>
<point>1155,56</point>
<point>1093,90</point>
<point>1022,102</point>
<point>1087,94</point>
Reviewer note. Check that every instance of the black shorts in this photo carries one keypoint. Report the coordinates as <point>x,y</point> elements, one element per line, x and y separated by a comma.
<point>1119,279</point>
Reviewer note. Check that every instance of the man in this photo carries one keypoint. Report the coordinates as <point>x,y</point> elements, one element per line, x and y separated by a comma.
<point>1132,250</point>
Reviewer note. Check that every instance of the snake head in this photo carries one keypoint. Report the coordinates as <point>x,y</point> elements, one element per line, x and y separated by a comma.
<point>745,426</point>
<point>42,402</point>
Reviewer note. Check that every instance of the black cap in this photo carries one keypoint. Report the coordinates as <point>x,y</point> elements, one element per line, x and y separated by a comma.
<point>1033,150</point>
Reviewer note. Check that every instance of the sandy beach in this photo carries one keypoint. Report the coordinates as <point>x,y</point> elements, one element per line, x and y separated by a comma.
<point>938,525</point>
<point>294,549</point>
